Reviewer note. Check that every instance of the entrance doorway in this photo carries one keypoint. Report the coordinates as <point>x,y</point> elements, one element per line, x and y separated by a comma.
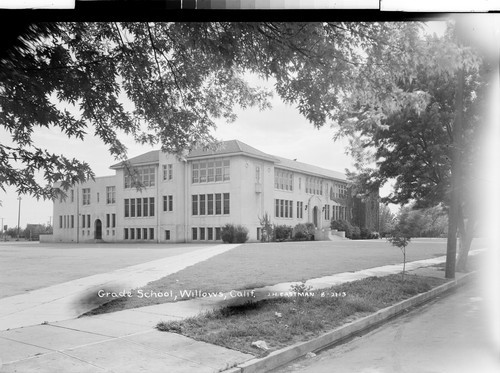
<point>98,229</point>
<point>315,216</point>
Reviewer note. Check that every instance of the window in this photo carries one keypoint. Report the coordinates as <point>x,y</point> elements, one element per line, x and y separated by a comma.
<point>110,195</point>
<point>167,235</point>
<point>83,221</point>
<point>195,204</point>
<point>132,233</point>
<point>88,221</point>
<point>138,230</point>
<point>86,196</point>
<point>127,205</point>
<point>194,233</point>
<point>151,206</point>
<point>168,171</point>
<point>125,233</point>
<point>257,174</point>
<point>72,221</point>
<point>258,233</point>
<point>283,208</point>
<point>139,177</point>
<point>145,209</point>
<point>217,233</point>
<point>107,220</point>
<point>210,170</point>
<point>210,234</point>
<point>283,180</point>
<point>60,221</point>
<point>202,234</point>
<point>210,204</point>
<point>168,203</point>
<point>300,209</point>
<point>132,207</point>
<point>72,194</point>
<point>145,233</point>
<point>97,197</point>
<point>300,183</point>
<point>226,203</point>
<point>202,204</point>
<point>218,204</point>
<point>113,220</point>
<point>139,208</point>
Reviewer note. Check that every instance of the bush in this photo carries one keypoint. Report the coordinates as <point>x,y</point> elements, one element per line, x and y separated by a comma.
<point>355,233</point>
<point>342,225</point>
<point>365,233</point>
<point>303,232</point>
<point>282,232</point>
<point>234,233</point>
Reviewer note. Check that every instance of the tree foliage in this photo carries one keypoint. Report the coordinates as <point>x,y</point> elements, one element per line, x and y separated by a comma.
<point>166,84</point>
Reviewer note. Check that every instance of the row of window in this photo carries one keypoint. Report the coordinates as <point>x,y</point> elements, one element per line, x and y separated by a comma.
<point>139,177</point>
<point>139,233</point>
<point>110,196</point>
<point>206,233</point>
<point>211,204</point>
<point>66,221</point>
<point>211,170</point>
<point>284,209</point>
<point>139,207</point>
<point>283,180</point>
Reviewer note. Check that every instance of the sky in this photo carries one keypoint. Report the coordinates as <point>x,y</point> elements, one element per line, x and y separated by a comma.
<point>280,131</point>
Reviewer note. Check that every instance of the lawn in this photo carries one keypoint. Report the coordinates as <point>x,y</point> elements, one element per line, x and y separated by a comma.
<point>256,265</point>
<point>284,321</point>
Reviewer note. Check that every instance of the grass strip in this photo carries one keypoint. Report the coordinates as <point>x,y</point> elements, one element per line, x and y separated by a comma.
<point>284,321</point>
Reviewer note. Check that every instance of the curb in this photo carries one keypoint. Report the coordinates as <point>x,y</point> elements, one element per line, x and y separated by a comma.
<point>281,357</point>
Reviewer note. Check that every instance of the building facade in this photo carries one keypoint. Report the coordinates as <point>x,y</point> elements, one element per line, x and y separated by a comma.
<point>160,198</point>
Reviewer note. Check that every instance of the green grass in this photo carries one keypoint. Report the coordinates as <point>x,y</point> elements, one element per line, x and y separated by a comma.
<point>283,321</point>
<point>257,265</point>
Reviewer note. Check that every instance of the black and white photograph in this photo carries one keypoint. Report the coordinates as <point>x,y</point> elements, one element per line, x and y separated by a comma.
<point>249,186</point>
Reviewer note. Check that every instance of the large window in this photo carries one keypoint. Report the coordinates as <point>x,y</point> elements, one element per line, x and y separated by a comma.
<point>283,180</point>
<point>86,196</point>
<point>300,206</point>
<point>283,208</point>
<point>210,170</point>
<point>203,204</point>
<point>110,195</point>
<point>139,177</point>
<point>139,207</point>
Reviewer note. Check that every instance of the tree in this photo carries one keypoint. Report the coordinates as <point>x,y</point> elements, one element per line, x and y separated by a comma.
<point>400,240</point>
<point>386,220</point>
<point>166,83</point>
<point>431,153</point>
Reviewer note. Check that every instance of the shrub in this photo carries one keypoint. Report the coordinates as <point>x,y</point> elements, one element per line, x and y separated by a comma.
<point>282,232</point>
<point>234,233</point>
<point>365,233</point>
<point>311,229</point>
<point>355,233</point>
<point>303,232</point>
<point>342,225</point>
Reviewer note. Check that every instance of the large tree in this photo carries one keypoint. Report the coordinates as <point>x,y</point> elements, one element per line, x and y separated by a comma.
<point>431,154</point>
<point>167,83</point>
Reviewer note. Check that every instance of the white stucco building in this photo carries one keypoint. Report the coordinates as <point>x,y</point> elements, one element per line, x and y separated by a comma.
<point>190,200</point>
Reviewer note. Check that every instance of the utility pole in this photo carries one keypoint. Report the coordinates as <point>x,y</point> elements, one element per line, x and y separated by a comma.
<point>2,228</point>
<point>18,217</point>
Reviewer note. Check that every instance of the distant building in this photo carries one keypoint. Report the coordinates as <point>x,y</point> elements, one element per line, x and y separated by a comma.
<point>190,200</point>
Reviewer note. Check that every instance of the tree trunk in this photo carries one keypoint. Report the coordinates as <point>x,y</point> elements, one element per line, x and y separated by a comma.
<point>456,178</point>
<point>466,236</point>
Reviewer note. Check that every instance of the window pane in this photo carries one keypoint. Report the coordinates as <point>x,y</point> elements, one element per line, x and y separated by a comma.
<point>195,204</point>
<point>210,204</point>
<point>151,206</point>
<point>202,204</point>
<point>226,203</point>
<point>218,204</point>
<point>132,207</point>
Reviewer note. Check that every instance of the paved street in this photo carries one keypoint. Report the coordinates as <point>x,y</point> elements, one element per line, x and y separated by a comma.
<point>450,334</point>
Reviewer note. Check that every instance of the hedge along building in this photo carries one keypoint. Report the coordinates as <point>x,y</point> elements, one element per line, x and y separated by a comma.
<point>159,197</point>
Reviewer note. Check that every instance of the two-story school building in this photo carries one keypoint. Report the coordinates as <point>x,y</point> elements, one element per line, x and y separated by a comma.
<point>160,198</point>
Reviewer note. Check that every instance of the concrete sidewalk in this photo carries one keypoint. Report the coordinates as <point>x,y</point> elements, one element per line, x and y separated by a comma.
<point>70,299</point>
<point>126,341</point>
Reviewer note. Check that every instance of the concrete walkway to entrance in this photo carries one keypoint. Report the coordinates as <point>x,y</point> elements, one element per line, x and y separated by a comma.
<point>127,341</point>
<point>70,299</point>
